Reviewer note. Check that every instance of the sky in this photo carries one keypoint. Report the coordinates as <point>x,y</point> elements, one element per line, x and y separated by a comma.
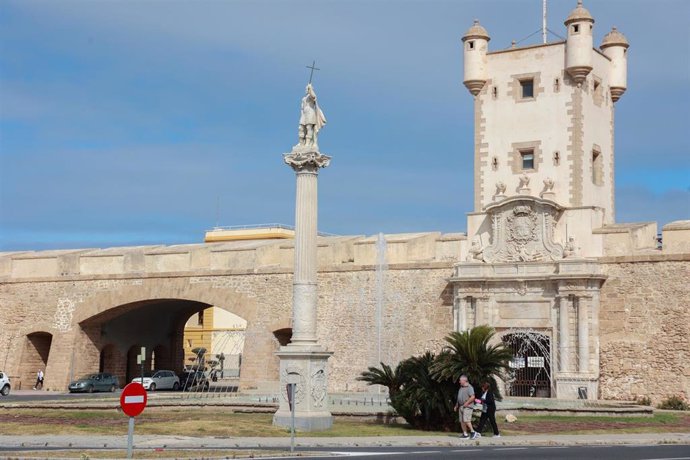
<point>149,122</point>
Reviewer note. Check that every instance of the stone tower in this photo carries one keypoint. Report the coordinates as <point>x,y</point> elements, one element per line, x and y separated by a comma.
<point>543,198</point>
<point>544,124</point>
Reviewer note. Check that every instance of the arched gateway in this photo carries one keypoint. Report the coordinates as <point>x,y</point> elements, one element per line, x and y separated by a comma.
<point>108,329</point>
<point>531,364</point>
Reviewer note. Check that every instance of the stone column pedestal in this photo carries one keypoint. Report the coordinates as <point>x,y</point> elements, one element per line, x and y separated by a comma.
<point>308,370</point>
<point>304,361</point>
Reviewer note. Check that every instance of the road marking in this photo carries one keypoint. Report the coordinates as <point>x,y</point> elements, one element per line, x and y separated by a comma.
<point>134,399</point>
<point>467,450</point>
<point>362,454</point>
<point>552,447</point>
<point>425,452</point>
<point>669,458</point>
<point>511,448</point>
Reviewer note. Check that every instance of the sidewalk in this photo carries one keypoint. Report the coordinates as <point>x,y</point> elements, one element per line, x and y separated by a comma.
<point>184,442</point>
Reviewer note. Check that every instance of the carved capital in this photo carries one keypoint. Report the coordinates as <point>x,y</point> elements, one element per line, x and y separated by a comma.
<point>303,159</point>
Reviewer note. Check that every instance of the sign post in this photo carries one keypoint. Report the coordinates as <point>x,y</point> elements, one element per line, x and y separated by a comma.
<point>132,401</point>
<point>291,400</point>
<point>141,359</point>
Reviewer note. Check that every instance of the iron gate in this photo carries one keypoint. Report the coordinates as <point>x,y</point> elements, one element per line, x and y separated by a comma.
<point>531,364</point>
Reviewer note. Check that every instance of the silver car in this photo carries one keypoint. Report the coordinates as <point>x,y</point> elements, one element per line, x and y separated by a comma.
<point>4,384</point>
<point>159,380</point>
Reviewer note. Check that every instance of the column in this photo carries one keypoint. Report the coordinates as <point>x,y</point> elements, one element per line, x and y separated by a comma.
<point>461,314</point>
<point>304,281</point>
<point>303,361</point>
<point>480,308</point>
<point>583,334</point>
<point>563,335</point>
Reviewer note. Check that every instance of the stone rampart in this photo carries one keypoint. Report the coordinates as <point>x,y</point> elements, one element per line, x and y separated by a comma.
<point>645,327</point>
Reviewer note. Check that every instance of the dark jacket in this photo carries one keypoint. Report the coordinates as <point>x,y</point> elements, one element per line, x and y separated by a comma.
<point>490,400</point>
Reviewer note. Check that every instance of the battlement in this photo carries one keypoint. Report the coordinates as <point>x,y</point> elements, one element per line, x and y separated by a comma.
<point>248,256</point>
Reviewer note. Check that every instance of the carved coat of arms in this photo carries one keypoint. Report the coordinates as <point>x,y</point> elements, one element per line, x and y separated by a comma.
<point>522,231</point>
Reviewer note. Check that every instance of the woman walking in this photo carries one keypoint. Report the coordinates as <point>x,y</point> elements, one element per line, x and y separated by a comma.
<point>488,409</point>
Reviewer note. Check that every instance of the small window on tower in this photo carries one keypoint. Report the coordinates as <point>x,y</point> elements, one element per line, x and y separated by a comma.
<point>527,87</point>
<point>597,168</point>
<point>200,321</point>
<point>470,44</point>
<point>556,85</point>
<point>527,159</point>
<point>494,92</point>
<point>556,158</point>
<point>494,164</point>
<point>576,28</point>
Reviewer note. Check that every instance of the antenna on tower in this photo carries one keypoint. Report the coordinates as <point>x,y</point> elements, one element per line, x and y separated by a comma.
<point>543,21</point>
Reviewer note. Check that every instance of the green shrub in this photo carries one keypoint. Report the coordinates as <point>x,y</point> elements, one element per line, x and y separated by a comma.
<point>423,389</point>
<point>644,401</point>
<point>674,403</point>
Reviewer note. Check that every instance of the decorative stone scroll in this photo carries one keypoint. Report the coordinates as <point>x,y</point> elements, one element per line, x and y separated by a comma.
<point>318,387</point>
<point>522,231</point>
<point>306,159</point>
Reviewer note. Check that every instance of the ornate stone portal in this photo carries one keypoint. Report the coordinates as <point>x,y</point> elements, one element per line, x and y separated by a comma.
<point>304,361</point>
<point>524,280</point>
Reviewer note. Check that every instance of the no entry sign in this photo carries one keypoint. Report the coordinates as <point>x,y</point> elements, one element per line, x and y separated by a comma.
<point>133,399</point>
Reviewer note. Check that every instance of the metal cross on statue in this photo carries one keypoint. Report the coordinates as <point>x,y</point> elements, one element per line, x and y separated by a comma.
<point>313,68</point>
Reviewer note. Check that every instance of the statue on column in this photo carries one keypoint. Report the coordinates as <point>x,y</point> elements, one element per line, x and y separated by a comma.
<point>311,119</point>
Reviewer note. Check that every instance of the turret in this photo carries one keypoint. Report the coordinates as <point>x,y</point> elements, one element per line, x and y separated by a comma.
<point>615,47</point>
<point>578,57</point>
<point>475,45</point>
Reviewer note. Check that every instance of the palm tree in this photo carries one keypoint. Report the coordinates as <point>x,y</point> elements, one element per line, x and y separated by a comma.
<point>433,399</point>
<point>385,376</point>
<point>421,400</point>
<point>470,353</point>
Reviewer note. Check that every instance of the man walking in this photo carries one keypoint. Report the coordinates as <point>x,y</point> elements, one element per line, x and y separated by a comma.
<point>465,405</point>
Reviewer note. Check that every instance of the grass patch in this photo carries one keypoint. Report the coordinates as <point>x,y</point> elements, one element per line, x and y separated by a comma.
<point>184,422</point>
<point>224,423</point>
<point>561,424</point>
<point>157,453</point>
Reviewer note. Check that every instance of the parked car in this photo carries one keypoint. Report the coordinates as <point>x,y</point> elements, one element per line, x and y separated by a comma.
<point>94,382</point>
<point>193,380</point>
<point>4,384</point>
<point>159,380</point>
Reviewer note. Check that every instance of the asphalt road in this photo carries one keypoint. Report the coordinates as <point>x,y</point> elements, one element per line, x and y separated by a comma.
<point>665,452</point>
<point>657,452</point>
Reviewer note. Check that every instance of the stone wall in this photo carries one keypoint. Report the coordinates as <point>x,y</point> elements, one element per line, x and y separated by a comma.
<point>644,317</point>
<point>645,327</point>
<point>414,302</point>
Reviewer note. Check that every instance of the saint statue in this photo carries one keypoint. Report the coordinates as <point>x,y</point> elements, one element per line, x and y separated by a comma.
<point>311,120</point>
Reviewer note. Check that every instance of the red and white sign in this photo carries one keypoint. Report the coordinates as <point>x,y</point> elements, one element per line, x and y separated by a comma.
<point>133,399</point>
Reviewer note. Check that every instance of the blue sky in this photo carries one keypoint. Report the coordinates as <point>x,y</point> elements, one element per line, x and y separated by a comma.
<point>126,122</point>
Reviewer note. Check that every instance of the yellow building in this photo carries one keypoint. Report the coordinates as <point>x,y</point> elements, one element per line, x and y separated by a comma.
<point>217,331</point>
<point>221,334</point>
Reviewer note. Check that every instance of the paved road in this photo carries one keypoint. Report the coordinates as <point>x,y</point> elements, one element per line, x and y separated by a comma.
<point>674,452</point>
<point>662,452</point>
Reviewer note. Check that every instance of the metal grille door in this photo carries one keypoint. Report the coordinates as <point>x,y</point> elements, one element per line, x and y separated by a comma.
<point>531,364</point>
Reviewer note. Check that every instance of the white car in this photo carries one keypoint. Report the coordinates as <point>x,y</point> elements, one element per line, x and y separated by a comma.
<point>4,384</point>
<point>159,380</point>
